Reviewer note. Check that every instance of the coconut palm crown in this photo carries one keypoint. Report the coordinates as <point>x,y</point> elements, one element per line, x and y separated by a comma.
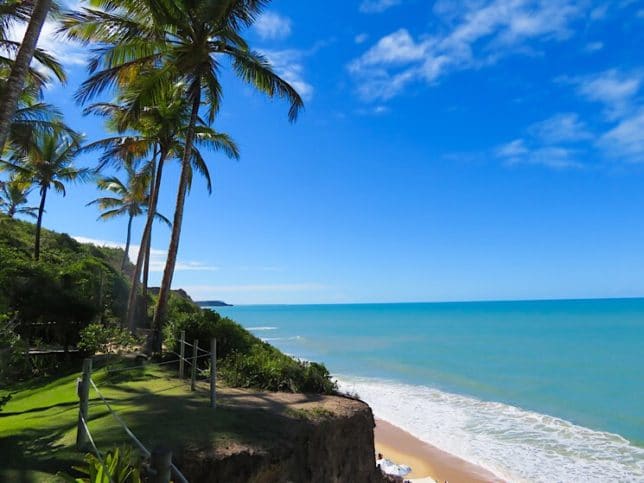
<point>180,42</point>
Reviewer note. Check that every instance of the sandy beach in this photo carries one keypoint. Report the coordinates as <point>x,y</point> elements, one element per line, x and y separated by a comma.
<point>424,459</point>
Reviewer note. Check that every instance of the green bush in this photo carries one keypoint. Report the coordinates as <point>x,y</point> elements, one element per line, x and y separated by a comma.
<point>265,367</point>
<point>13,363</point>
<point>203,325</point>
<point>244,360</point>
<point>105,338</point>
<point>54,298</point>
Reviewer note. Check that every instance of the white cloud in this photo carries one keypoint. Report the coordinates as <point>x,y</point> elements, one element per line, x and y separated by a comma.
<point>560,128</point>
<point>65,51</point>
<point>512,149</point>
<point>396,48</point>
<point>626,140</point>
<point>474,35</point>
<point>361,38</point>
<point>377,6</point>
<point>548,143</point>
<point>273,26</point>
<point>557,157</point>
<point>157,257</point>
<point>245,288</point>
<point>599,12</point>
<point>258,293</point>
<point>613,88</point>
<point>289,65</point>
<point>594,46</point>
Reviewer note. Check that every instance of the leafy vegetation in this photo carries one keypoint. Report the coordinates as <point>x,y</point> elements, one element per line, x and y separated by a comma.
<point>246,361</point>
<point>50,301</point>
<point>121,465</point>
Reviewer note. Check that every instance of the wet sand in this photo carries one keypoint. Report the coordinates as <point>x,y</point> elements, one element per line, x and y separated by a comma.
<point>424,459</point>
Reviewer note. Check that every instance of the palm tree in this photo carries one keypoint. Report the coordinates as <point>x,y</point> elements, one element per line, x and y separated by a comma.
<point>185,40</point>
<point>161,130</point>
<point>48,164</point>
<point>130,198</point>
<point>14,194</point>
<point>24,53</point>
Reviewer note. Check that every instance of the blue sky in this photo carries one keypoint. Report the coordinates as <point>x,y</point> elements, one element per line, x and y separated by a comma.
<point>448,151</point>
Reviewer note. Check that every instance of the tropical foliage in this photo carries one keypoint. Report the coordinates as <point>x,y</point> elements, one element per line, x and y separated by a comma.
<point>173,43</point>
<point>13,195</point>
<point>161,62</point>
<point>53,299</point>
<point>244,360</point>
<point>48,164</point>
<point>130,198</point>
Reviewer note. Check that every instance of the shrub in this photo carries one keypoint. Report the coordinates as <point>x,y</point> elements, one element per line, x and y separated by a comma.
<point>13,363</point>
<point>245,360</point>
<point>98,337</point>
<point>265,367</point>
<point>204,325</point>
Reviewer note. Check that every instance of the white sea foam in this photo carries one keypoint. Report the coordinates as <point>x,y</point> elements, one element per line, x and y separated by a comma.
<point>513,443</point>
<point>261,328</point>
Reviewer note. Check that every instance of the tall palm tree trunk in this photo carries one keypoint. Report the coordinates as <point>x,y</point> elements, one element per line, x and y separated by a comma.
<point>41,210</point>
<point>16,81</point>
<point>146,263</point>
<point>127,242</point>
<point>160,312</point>
<point>146,239</point>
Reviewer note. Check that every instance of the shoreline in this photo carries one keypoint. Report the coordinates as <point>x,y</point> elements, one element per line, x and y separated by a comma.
<point>425,459</point>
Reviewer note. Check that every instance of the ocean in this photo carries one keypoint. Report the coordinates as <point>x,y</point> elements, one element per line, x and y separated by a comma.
<point>531,390</point>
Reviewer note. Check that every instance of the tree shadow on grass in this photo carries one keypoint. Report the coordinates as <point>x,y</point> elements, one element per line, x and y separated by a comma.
<point>33,451</point>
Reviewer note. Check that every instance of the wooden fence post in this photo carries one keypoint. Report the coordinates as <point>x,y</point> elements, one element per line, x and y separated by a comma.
<point>161,464</point>
<point>182,353</point>
<point>213,373</point>
<point>193,374</point>
<point>82,438</point>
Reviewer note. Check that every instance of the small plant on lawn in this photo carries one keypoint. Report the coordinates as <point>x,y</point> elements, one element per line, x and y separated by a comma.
<point>122,465</point>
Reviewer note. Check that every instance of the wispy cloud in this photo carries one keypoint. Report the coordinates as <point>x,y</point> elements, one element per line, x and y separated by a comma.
<point>65,51</point>
<point>377,6</point>
<point>626,139</point>
<point>557,157</point>
<point>157,257</point>
<point>613,88</point>
<point>619,94</point>
<point>564,139</point>
<point>361,38</point>
<point>560,128</point>
<point>259,293</point>
<point>289,64</point>
<point>593,47</point>
<point>273,26</point>
<point>553,142</point>
<point>474,35</point>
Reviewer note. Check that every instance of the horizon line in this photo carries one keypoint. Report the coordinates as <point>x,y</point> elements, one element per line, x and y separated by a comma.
<point>561,299</point>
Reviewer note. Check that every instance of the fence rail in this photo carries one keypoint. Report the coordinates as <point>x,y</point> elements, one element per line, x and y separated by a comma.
<point>160,458</point>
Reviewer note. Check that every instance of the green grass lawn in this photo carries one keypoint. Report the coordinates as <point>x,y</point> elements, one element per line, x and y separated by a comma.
<point>38,424</point>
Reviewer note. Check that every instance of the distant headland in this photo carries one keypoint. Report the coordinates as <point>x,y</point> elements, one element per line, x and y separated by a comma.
<point>213,303</point>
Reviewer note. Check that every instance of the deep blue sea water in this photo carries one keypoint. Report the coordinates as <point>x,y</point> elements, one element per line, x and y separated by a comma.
<point>534,390</point>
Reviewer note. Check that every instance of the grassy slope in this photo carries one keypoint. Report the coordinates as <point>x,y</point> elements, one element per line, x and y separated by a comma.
<point>38,424</point>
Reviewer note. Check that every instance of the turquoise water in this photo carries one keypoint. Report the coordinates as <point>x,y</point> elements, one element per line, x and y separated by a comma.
<point>565,379</point>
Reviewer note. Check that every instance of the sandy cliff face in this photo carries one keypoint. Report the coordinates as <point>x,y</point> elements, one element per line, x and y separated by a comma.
<point>328,444</point>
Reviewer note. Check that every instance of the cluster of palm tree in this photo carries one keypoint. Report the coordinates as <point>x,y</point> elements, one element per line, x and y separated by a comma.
<point>160,60</point>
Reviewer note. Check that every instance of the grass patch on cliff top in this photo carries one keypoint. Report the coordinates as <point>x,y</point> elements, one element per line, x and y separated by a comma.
<point>38,423</point>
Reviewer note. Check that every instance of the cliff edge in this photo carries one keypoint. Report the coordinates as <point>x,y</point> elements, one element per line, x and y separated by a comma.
<point>299,438</point>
